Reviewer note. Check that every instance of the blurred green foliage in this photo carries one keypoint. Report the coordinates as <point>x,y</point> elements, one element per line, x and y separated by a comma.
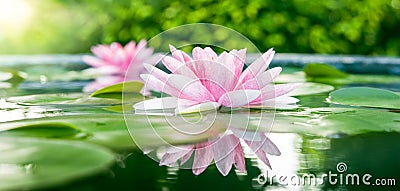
<point>369,27</point>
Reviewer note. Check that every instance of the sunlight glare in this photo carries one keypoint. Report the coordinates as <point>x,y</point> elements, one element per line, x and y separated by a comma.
<point>14,13</point>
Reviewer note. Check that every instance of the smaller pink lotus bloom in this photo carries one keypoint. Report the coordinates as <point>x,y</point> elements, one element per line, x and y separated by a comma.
<point>208,81</point>
<point>111,62</point>
<point>225,152</point>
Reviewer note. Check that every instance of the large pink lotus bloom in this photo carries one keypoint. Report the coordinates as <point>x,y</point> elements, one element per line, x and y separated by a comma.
<point>111,62</point>
<point>208,81</point>
<point>225,151</point>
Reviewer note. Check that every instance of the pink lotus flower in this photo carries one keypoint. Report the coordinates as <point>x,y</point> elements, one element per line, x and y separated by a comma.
<point>112,62</point>
<point>225,151</point>
<point>208,81</point>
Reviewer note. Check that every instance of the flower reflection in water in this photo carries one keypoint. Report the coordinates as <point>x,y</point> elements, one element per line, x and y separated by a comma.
<point>225,151</point>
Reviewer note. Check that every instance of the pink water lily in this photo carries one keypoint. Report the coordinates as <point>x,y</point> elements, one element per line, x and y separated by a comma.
<point>208,81</point>
<point>225,152</point>
<point>111,62</point>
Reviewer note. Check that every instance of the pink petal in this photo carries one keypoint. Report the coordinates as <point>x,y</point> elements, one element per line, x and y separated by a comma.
<point>239,59</point>
<point>259,152</point>
<point>93,61</point>
<point>265,144</point>
<point>170,158</point>
<point>159,80</point>
<point>180,55</point>
<point>239,159</point>
<point>202,158</point>
<point>142,44</point>
<point>120,59</point>
<point>227,60</point>
<point>153,83</point>
<point>157,73</point>
<point>211,53</point>
<point>272,91</point>
<point>258,66</point>
<point>130,47</point>
<point>224,153</point>
<point>186,157</point>
<point>261,80</point>
<point>171,63</point>
<point>189,88</point>
<point>215,76</point>
<point>141,55</point>
<point>246,134</point>
<point>177,67</point>
<point>204,54</point>
<point>116,46</point>
<point>263,157</point>
<point>238,98</point>
<point>103,52</point>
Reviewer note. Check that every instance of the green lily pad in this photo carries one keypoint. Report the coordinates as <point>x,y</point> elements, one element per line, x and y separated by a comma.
<point>67,101</point>
<point>27,164</point>
<point>12,76</point>
<point>291,78</point>
<point>119,108</point>
<point>110,130</point>
<point>47,130</point>
<point>325,121</point>
<point>365,96</point>
<point>310,88</point>
<point>126,87</point>
<point>43,99</point>
<point>323,70</point>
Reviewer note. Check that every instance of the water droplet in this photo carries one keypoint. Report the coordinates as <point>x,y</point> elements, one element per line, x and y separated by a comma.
<point>43,79</point>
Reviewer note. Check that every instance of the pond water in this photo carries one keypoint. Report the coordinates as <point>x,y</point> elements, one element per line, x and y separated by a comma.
<point>53,137</point>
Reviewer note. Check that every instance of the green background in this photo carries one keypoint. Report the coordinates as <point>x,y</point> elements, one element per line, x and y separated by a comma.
<point>368,27</point>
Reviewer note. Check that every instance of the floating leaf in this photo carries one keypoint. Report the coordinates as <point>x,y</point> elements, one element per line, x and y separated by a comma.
<point>47,130</point>
<point>291,78</point>
<point>365,96</point>
<point>75,100</point>
<point>119,108</point>
<point>126,87</point>
<point>43,99</point>
<point>323,70</point>
<point>27,164</point>
<point>110,129</point>
<point>12,76</point>
<point>310,88</point>
<point>324,121</point>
